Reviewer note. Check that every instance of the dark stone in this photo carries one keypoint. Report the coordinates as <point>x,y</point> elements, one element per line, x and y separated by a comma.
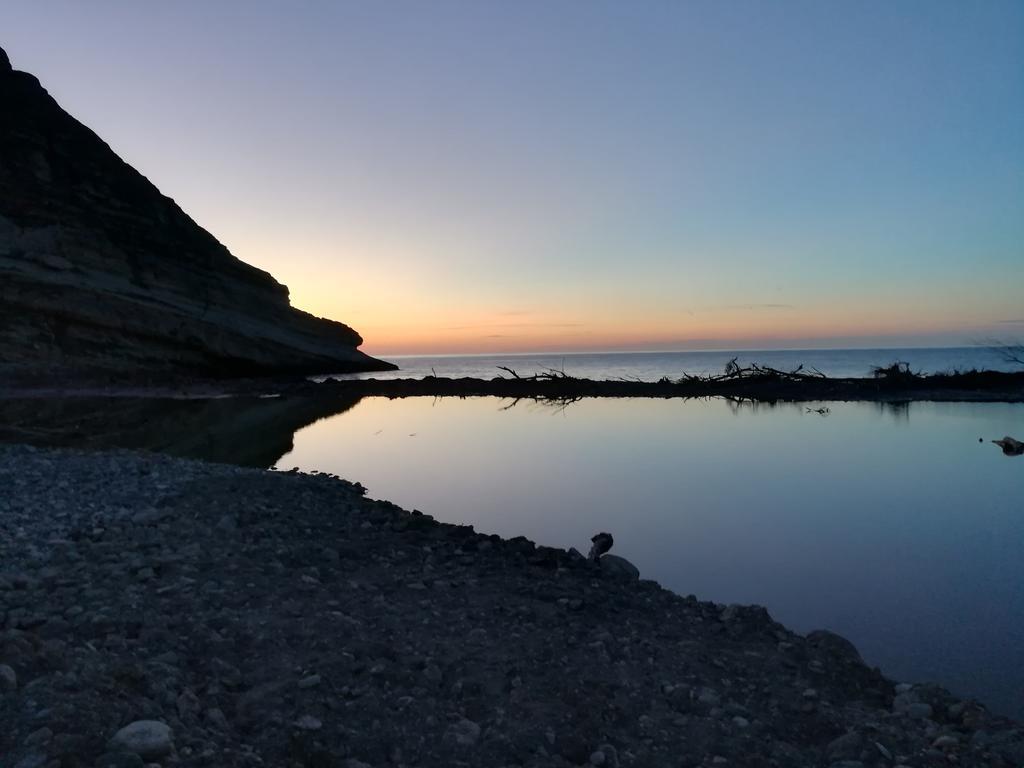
<point>619,567</point>
<point>119,760</point>
<point>834,645</point>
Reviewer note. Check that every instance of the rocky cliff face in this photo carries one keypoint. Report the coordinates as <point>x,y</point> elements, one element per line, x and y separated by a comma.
<point>101,272</point>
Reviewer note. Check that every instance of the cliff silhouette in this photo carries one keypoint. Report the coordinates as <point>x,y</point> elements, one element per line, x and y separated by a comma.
<point>100,272</point>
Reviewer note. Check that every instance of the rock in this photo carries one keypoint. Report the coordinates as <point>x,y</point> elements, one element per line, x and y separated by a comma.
<point>902,701</point>
<point>103,272</point>
<point>845,747</point>
<point>619,567</point>
<point>308,723</point>
<point>610,755</point>
<point>147,517</point>
<point>39,737</point>
<point>149,739</point>
<point>8,678</point>
<point>834,646</point>
<point>227,523</point>
<point>464,732</point>
<point>1010,446</point>
<point>187,705</point>
<point>909,703</point>
<point>119,760</point>
<point>32,760</point>
<point>310,681</point>
<point>215,716</point>
<point>1011,750</point>
<point>709,697</point>
<point>919,710</point>
<point>602,542</point>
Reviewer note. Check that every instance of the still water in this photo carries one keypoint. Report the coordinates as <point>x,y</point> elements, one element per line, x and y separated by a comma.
<point>893,526</point>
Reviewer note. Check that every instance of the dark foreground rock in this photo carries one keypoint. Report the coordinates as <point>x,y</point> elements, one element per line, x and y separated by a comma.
<point>101,272</point>
<point>160,611</point>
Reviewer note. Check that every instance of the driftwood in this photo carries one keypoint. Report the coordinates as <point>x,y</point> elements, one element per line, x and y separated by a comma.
<point>548,374</point>
<point>734,372</point>
<point>754,383</point>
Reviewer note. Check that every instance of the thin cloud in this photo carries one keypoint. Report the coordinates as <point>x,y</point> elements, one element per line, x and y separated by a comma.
<point>752,307</point>
<point>510,325</point>
<point>758,306</point>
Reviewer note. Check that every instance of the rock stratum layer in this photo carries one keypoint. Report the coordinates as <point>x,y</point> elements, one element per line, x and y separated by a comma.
<point>99,271</point>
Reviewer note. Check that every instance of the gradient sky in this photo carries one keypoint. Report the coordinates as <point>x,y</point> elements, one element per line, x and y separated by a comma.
<point>523,176</point>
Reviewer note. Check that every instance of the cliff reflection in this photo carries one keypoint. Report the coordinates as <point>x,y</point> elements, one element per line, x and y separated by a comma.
<point>248,431</point>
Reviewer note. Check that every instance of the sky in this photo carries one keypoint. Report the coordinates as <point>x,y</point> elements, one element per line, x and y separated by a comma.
<point>463,177</point>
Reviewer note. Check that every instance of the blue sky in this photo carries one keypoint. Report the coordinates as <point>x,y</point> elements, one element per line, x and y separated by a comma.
<point>477,176</point>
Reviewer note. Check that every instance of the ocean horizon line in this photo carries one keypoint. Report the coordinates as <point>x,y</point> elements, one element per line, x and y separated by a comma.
<point>736,350</point>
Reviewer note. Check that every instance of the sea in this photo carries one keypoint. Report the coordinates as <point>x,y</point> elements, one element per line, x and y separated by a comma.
<point>651,366</point>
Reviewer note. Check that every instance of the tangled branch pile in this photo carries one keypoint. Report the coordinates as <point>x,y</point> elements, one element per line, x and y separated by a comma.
<point>735,372</point>
<point>549,374</point>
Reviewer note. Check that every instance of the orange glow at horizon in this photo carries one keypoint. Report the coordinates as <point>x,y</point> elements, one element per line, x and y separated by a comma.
<point>401,305</point>
<point>424,327</point>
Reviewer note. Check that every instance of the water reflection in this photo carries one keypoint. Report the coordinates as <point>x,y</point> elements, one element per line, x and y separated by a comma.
<point>248,431</point>
<point>897,410</point>
<point>892,526</point>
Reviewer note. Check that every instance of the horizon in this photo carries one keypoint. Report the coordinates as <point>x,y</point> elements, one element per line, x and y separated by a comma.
<point>786,177</point>
<point>724,350</point>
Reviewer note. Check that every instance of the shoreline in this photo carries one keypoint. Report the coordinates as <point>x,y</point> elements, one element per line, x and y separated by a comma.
<point>766,385</point>
<point>761,385</point>
<point>283,618</point>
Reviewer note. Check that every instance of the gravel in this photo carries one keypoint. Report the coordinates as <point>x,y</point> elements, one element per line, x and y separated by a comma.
<point>253,618</point>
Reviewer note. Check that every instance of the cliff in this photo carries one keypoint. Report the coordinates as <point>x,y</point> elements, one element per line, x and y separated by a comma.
<point>100,272</point>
